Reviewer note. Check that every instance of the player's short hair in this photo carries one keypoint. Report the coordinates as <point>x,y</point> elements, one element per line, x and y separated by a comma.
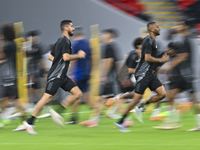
<point>149,24</point>
<point>33,33</point>
<point>113,32</point>
<point>79,31</point>
<point>8,32</point>
<point>64,23</point>
<point>136,42</point>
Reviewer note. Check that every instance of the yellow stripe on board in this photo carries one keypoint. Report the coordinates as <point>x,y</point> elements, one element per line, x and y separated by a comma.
<point>155,3</point>
<point>161,12</point>
<point>159,7</point>
<point>167,17</point>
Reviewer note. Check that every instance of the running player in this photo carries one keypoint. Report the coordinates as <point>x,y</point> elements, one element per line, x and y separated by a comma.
<point>145,75</point>
<point>57,76</point>
<point>181,76</point>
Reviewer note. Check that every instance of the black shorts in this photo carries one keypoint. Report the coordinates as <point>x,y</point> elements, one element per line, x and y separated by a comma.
<point>150,81</point>
<point>83,84</point>
<point>179,82</point>
<point>53,85</point>
<point>10,90</point>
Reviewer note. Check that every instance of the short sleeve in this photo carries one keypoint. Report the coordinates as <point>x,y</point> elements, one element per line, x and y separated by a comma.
<point>53,50</point>
<point>131,61</point>
<point>147,47</point>
<point>9,49</point>
<point>109,52</point>
<point>65,46</point>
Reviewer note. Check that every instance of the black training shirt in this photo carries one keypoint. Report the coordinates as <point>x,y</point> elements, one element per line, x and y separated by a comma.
<point>59,67</point>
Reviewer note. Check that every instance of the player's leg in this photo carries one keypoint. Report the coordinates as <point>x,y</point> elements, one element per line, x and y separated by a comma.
<point>155,85</point>
<point>83,86</point>
<point>73,97</point>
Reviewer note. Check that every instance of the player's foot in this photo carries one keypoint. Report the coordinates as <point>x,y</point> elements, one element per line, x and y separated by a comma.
<point>72,121</point>
<point>57,118</point>
<point>157,119</point>
<point>138,114</point>
<point>109,101</point>
<point>13,116</point>
<point>168,126</point>
<point>44,116</point>
<point>29,128</point>
<point>20,128</point>
<point>195,129</point>
<point>128,123</point>
<point>92,123</point>
<point>113,116</point>
<point>164,114</point>
<point>121,127</point>
<point>84,122</point>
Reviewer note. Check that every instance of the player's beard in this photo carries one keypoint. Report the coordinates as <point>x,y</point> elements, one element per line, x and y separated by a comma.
<point>157,33</point>
<point>70,33</point>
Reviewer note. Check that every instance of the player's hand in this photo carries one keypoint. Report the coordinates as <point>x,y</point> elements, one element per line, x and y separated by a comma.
<point>81,54</point>
<point>165,58</point>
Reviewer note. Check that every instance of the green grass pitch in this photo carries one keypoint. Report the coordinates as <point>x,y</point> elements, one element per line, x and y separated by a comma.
<point>102,137</point>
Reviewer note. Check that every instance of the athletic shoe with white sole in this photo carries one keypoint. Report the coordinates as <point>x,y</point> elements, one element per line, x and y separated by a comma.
<point>57,118</point>
<point>44,116</point>
<point>121,127</point>
<point>138,114</point>
<point>29,128</point>
<point>168,127</point>
<point>20,128</point>
<point>195,129</point>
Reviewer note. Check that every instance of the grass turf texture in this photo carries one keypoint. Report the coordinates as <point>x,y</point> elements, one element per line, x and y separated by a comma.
<point>102,137</point>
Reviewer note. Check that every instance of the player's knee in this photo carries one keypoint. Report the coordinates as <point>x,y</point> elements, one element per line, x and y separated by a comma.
<point>162,95</point>
<point>78,94</point>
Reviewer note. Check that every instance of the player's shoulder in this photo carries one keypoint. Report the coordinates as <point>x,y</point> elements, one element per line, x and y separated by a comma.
<point>148,39</point>
<point>63,40</point>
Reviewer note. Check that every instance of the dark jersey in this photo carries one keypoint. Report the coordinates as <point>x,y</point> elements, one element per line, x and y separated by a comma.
<point>184,69</point>
<point>111,51</point>
<point>59,67</point>
<point>132,60</point>
<point>9,73</point>
<point>148,47</point>
<point>36,55</point>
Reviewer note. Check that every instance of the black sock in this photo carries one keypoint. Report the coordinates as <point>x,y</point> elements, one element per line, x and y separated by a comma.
<point>74,116</point>
<point>31,120</point>
<point>122,119</point>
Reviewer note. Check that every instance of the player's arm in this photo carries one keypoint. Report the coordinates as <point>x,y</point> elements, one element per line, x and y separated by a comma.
<point>69,57</point>
<point>131,70</point>
<point>2,62</point>
<point>51,57</point>
<point>181,57</point>
<point>151,59</point>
